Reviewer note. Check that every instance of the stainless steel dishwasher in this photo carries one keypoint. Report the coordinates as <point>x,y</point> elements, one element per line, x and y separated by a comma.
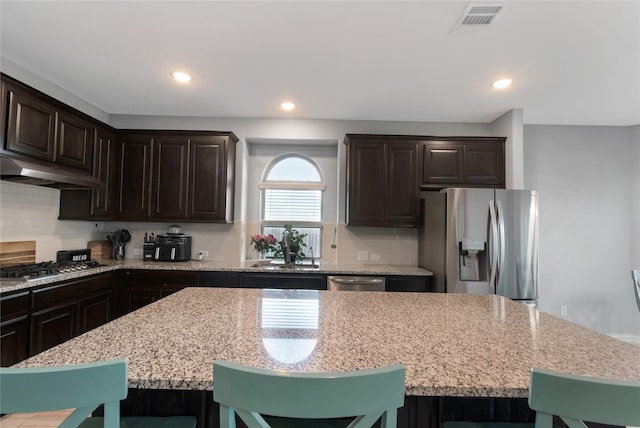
<point>356,283</point>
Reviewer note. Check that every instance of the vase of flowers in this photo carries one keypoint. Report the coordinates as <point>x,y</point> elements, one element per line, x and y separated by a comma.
<point>263,244</point>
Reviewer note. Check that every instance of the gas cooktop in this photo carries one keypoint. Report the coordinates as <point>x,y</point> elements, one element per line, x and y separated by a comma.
<point>39,270</point>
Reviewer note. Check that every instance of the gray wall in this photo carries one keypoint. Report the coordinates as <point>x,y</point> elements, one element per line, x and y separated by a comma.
<point>584,176</point>
<point>634,165</point>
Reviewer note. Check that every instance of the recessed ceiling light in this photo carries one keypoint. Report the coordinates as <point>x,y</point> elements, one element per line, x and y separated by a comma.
<point>181,77</point>
<point>501,83</point>
<point>287,106</point>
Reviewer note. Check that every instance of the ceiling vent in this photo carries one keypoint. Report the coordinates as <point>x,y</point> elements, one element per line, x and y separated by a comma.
<point>477,17</point>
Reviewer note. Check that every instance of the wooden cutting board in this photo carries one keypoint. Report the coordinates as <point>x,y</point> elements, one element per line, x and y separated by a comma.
<point>100,249</point>
<point>17,253</point>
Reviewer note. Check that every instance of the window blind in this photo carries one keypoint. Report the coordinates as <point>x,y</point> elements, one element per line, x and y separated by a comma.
<point>292,205</point>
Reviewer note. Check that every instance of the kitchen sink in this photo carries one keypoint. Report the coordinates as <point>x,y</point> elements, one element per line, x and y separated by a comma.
<point>287,266</point>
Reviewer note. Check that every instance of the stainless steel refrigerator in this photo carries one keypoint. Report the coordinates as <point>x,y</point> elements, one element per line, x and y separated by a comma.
<point>482,241</point>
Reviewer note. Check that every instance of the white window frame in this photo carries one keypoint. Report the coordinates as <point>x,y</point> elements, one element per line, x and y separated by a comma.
<point>293,185</point>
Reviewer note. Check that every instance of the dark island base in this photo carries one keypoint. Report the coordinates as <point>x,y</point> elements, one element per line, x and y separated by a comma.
<point>418,412</point>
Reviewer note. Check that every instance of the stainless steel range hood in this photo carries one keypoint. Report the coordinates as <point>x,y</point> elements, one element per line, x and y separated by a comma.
<point>27,172</point>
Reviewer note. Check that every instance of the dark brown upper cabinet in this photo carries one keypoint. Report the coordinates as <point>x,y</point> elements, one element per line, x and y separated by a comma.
<point>484,163</point>
<point>382,184</point>
<point>462,162</point>
<point>38,127</point>
<point>176,176</point>
<point>134,177</point>
<point>147,174</point>
<point>442,163</point>
<point>98,203</point>
<point>31,125</point>
<point>169,189</point>
<point>212,178</point>
<point>74,145</point>
<point>104,169</point>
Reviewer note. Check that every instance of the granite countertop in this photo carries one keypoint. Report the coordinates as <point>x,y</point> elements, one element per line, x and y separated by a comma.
<point>450,344</point>
<point>7,285</point>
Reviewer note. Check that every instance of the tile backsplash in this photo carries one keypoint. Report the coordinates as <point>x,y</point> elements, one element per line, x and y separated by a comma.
<point>30,213</point>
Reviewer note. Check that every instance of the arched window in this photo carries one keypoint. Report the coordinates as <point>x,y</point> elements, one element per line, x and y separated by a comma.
<point>291,192</point>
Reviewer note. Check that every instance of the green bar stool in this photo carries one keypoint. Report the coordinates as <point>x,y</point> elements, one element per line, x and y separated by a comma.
<point>82,387</point>
<point>267,398</point>
<point>575,400</point>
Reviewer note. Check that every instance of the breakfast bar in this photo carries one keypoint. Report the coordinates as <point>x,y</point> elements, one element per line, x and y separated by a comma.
<point>452,345</point>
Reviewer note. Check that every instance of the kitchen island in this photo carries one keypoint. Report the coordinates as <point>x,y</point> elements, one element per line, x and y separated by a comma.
<point>452,345</point>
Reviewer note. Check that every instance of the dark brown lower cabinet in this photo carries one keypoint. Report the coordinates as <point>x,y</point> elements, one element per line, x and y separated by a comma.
<point>94,311</point>
<point>41,318</point>
<point>292,280</point>
<point>138,288</point>
<point>140,297</point>
<point>419,284</point>
<point>53,326</point>
<point>14,328</point>
<point>14,340</point>
<point>63,311</point>
<point>219,279</point>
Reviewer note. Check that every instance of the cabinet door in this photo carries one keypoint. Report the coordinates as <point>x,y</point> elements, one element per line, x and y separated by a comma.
<point>484,164</point>
<point>14,328</point>
<point>94,311</point>
<point>299,281</point>
<point>142,287</point>
<point>442,163</point>
<point>104,163</point>
<point>169,188</point>
<point>30,125</point>
<point>140,297</point>
<point>53,326</point>
<point>402,194</point>
<point>408,284</point>
<point>134,174</point>
<point>219,279</point>
<point>210,180</point>
<point>366,183</point>
<point>74,146</point>
<point>14,341</point>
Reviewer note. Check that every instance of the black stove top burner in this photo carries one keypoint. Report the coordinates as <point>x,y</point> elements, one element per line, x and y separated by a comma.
<point>38,270</point>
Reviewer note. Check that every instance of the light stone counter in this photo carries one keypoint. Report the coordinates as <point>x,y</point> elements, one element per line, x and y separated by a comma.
<point>450,344</point>
<point>7,285</point>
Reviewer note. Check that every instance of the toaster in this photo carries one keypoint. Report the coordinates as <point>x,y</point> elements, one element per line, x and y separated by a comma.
<point>172,248</point>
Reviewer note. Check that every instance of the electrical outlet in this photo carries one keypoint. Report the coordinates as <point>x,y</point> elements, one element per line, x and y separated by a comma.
<point>202,254</point>
<point>563,311</point>
<point>363,255</point>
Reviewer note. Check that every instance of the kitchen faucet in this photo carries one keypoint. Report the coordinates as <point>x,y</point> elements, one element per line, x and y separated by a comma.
<point>286,244</point>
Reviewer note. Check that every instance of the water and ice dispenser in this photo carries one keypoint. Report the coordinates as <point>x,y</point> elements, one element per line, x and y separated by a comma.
<point>472,260</point>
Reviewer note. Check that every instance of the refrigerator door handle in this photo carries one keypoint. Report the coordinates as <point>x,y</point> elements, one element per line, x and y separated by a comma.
<point>503,239</point>
<point>493,243</point>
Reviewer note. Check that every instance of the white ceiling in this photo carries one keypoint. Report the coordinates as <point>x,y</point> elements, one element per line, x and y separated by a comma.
<point>572,62</point>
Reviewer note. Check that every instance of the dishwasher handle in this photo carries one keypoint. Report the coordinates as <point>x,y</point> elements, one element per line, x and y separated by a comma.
<point>347,280</point>
<point>356,283</point>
